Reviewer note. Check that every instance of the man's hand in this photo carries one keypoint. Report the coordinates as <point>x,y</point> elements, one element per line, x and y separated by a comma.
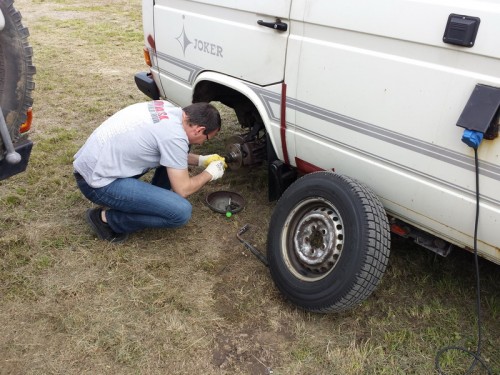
<point>216,169</point>
<point>205,160</point>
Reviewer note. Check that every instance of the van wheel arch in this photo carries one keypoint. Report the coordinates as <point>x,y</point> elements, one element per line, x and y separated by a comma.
<point>280,175</point>
<point>245,110</point>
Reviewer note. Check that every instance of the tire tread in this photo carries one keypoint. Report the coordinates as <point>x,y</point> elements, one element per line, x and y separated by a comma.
<point>377,247</point>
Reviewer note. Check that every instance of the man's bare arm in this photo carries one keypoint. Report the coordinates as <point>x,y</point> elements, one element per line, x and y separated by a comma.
<point>193,159</point>
<point>185,185</point>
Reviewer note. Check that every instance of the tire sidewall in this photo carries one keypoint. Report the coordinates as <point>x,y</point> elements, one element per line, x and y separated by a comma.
<point>14,61</point>
<point>338,191</point>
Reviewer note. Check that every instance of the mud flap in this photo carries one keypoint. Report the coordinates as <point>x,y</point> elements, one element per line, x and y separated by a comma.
<point>24,149</point>
<point>280,177</point>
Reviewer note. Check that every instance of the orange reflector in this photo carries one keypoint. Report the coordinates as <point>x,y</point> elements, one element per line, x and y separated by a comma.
<point>147,57</point>
<point>395,228</point>
<point>29,118</point>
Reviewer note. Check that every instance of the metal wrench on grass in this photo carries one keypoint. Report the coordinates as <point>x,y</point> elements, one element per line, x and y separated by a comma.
<point>254,251</point>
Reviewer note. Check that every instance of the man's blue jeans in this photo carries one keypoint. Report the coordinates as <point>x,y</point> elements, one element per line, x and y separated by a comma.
<point>134,204</point>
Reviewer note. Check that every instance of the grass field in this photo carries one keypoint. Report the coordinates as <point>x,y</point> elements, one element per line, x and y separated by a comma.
<point>192,300</point>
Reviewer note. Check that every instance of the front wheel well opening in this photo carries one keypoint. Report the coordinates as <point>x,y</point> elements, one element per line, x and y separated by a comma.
<point>247,114</point>
<point>252,146</point>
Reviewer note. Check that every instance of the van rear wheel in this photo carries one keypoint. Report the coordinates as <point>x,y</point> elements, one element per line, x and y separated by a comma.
<point>328,242</point>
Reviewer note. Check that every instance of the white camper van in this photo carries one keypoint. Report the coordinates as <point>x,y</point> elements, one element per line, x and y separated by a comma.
<point>380,107</point>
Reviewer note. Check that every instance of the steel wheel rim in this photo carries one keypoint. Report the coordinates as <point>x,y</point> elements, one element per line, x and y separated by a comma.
<point>312,239</point>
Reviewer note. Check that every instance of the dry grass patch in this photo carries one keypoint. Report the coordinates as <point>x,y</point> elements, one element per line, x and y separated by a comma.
<point>193,300</point>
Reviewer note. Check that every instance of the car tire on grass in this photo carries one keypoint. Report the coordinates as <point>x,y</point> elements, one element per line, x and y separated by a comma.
<point>16,70</point>
<point>328,242</point>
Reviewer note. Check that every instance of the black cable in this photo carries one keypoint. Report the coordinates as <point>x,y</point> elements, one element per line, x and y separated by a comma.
<point>476,355</point>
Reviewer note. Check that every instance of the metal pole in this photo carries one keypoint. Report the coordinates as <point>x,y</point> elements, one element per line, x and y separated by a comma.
<point>12,156</point>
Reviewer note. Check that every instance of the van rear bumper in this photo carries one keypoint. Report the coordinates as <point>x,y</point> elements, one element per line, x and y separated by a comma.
<point>147,85</point>
<point>7,169</point>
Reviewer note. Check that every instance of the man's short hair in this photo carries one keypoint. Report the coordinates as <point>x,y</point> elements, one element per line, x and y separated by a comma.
<point>203,114</point>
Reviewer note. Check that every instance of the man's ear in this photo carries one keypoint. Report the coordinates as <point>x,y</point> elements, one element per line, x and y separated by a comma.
<point>202,129</point>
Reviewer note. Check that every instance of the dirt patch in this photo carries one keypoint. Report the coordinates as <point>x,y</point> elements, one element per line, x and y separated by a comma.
<point>250,352</point>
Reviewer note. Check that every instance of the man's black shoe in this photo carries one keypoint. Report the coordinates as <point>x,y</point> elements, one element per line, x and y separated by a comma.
<point>102,229</point>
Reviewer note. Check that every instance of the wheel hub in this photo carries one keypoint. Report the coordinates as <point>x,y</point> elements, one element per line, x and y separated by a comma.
<point>318,239</point>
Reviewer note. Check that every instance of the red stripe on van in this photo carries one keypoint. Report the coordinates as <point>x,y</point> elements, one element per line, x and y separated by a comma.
<point>283,124</point>
<point>306,167</point>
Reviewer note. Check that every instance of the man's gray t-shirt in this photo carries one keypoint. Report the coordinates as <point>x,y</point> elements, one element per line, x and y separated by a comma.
<point>133,140</point>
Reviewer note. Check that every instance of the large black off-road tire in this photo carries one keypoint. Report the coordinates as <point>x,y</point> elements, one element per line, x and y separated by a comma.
<point>328,242</point>
<point>16,70</point>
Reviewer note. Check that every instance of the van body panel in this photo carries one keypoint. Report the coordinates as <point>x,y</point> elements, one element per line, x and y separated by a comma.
<point>371,90</point>
<point>381,96</point>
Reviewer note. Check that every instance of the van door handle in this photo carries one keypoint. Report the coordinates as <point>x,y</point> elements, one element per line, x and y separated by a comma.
<point>278,25</point>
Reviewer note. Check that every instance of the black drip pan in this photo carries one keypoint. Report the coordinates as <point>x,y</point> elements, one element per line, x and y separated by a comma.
<point>225,201</point>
